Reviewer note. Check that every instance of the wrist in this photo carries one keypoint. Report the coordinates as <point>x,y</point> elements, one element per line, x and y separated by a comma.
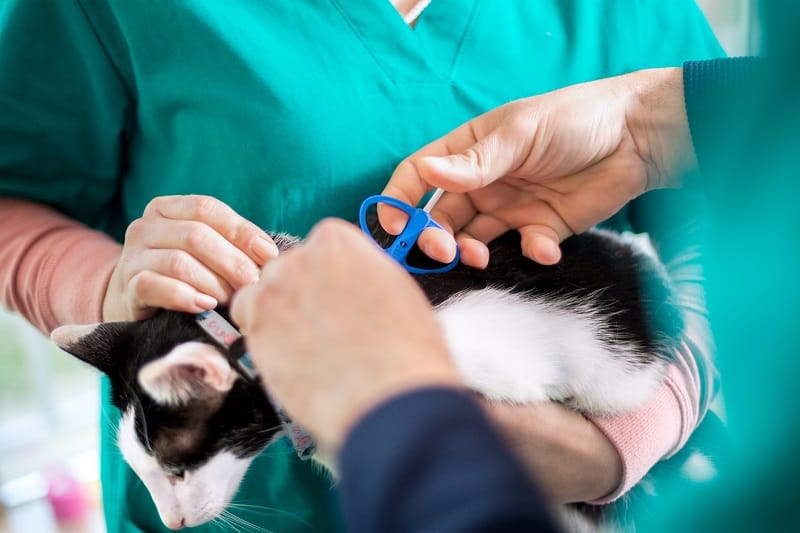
<point>657,120</point>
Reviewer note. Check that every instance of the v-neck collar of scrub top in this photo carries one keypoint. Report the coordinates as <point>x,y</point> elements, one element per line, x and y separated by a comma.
<point>431,47</point>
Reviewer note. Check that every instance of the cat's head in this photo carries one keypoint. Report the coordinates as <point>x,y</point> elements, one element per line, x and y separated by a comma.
<point>190,425</point>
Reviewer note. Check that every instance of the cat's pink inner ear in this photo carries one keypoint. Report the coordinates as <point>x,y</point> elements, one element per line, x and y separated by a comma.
<point>192,370</point>
<point>66,336</point>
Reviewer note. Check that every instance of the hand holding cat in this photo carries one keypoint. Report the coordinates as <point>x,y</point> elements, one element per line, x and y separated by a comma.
<point>335,327</point>
<point>185,253</point>
<point>550,166</point>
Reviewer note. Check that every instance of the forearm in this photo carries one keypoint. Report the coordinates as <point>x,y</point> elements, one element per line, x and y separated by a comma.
<point>429,461</point>
<point>53,270</point>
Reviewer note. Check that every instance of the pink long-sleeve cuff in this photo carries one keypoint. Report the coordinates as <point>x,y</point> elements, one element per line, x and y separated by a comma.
<point>53,270</point>
<point>654,431</point>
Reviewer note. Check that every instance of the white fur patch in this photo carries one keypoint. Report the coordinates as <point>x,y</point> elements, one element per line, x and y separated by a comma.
<point>66,336</point>
<point>518,349</point>
<point>199,497</point>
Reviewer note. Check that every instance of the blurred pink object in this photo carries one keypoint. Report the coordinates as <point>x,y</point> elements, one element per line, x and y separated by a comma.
<point>66,496</point>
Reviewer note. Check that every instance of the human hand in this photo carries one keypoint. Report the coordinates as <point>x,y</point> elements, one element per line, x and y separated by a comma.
<point>549,166</point>
<point>336,327</point>
<point>571,459</point>
<point>186,253</point>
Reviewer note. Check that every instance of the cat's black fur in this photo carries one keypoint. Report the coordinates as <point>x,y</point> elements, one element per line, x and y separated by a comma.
<point>243,423</point>
<point>633,290</point>
<point>599,273</point>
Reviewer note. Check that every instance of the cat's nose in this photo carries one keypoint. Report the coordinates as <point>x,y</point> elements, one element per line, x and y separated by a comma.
<point>175,478</point>
<point>175,525</point>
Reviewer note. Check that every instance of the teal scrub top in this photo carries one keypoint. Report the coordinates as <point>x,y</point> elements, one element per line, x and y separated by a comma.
<point>289,111</point>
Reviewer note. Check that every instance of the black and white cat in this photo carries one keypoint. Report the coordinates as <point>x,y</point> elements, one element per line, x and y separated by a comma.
<point>595,332</point>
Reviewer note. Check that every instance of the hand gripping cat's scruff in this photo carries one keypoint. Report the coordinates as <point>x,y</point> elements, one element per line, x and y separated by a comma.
<point>594,332</point>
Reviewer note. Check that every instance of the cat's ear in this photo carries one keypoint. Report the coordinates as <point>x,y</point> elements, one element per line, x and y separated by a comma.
<point>96,344</point>
<point>191,371</point>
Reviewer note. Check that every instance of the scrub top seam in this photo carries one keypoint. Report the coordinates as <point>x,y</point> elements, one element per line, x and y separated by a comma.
<point>457,52</point>
<point>129,90</point>
<point>354,29</point>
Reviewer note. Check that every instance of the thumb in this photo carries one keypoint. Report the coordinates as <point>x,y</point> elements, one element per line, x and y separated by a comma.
<point>487,160</point>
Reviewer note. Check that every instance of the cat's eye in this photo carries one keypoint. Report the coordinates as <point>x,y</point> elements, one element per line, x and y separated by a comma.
<point>175,474</point>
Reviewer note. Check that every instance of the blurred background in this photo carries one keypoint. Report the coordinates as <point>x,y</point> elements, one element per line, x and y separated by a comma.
<point>49,402</point>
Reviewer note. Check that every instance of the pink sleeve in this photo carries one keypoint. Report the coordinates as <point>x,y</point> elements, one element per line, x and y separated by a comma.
<point>53,270</point>
<point>659,428</point>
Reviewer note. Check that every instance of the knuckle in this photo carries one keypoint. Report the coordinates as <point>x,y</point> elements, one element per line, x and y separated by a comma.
<point>179,264</point>
<point>243,232</point>
<point>152,206</point>
<point>245,271</point>
<point>204,207</point>
<point>134,231</point>
<point>197,236</point>
<point>521,124</point>
<point>140,286</point>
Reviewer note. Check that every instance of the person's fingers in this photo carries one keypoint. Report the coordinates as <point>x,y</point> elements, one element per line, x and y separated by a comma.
<point>336,234</point>
<point>474,253</point>
<point>243,306</point>
<point>484,228</point>
<point>541,243</point>
<point>438,244</point>
<point>245,235</point>
<point>408,189</point>
<point>409,186</point>
<point>452,212</point>
<point>205,244</point>
<point>473,239</point>
<point>151,290</point>
<point>535,214</point>
<point>494,155</point>
<point>251,306</point>
<point>183,267</point>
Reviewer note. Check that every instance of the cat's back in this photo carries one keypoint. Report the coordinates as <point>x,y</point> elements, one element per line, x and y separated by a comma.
<point>610,273</point>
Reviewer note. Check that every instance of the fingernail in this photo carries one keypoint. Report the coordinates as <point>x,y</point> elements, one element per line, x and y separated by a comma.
<point>442,249</point>
<point>204,301</point>
<point>551,253</point>
<point>264,249</point>
<point>482,258</point>
<point>449,249</point>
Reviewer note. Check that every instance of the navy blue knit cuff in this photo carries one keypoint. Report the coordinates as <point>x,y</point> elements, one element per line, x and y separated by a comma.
<point>719,94</point>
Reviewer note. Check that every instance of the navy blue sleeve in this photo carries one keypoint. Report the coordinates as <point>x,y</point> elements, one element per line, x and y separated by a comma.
<point>722,97</point>
<point>429,461</point>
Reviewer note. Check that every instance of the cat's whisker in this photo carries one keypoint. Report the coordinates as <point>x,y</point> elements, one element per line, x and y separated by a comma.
<point>247,526</point>
<point>264,509</point>
<point>227,519</point>
<point>271,429</point>
<point>244,523</point>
